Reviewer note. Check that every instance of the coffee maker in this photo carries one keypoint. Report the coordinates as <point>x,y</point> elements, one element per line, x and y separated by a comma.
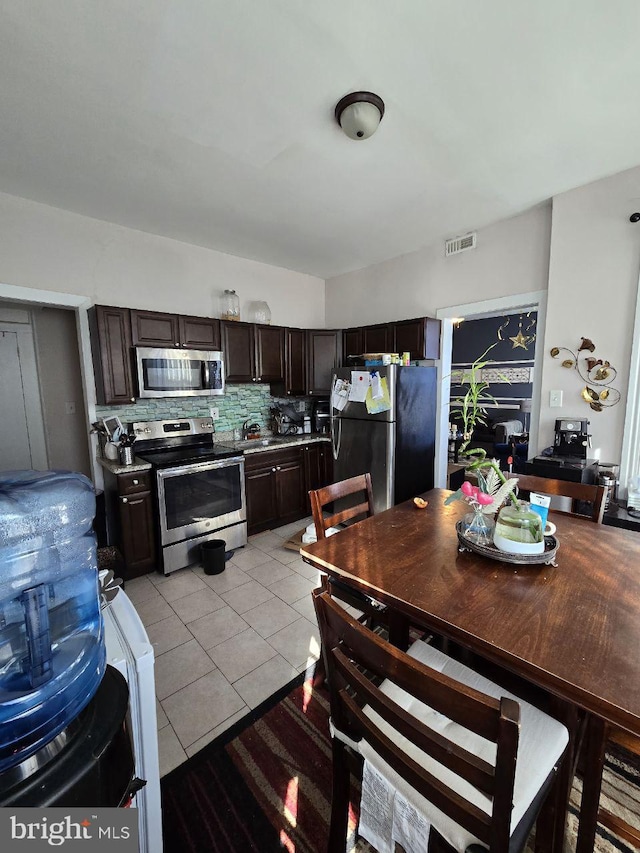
<point>321,417</point>
<point>572,438</point>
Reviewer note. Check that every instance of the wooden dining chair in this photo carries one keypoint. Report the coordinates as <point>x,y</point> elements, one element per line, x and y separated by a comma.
<point>357,492</point>
<point>600,737</point>
<point>479,765</point>
<point>564,488</point>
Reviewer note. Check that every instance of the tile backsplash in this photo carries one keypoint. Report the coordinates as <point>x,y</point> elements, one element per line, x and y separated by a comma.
<point>239,403</point>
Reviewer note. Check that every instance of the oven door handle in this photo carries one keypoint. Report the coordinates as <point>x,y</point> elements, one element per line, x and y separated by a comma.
<point>163,473</point>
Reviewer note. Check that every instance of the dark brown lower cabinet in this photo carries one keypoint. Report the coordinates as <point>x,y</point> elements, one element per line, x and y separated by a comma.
<point>274,485</point>
<point>277,483</point>
<point>131,522</point>
<point>260,488</point>
<point>318,467</point>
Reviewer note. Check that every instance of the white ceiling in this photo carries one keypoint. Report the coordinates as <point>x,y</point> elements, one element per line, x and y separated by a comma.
<point>211,121</point>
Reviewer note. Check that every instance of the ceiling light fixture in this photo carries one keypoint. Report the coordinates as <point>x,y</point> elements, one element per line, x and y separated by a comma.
<point>359,114</point>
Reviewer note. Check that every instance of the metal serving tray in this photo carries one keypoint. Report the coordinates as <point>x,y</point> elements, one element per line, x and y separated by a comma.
<point>547,558</point>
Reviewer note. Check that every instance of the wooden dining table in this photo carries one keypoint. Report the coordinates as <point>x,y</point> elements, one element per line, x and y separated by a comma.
<point>572,629</point>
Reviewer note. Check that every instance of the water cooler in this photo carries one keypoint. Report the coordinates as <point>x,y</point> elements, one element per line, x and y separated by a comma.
<point>64,739</point>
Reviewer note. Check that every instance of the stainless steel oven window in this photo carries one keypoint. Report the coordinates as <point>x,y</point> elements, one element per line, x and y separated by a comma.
<point>200,498</point>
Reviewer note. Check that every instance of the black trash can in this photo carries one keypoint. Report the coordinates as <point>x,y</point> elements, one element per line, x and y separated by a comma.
<point>213,556</point>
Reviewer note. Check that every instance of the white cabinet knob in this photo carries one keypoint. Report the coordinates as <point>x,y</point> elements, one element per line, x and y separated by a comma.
<point>125,500</point>
<point>135,482</point>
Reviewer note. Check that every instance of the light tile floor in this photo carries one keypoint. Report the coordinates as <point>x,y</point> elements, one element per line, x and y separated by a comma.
<point>226,642</point>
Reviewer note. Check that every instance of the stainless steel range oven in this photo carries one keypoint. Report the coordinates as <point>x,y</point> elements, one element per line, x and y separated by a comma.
<point>199,488</point>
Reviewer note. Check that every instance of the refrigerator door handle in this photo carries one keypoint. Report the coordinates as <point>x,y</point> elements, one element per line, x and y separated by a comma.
<point>336,435</point>
<point>336,423</point>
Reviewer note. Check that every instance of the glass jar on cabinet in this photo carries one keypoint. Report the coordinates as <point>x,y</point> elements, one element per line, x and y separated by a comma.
<point>229,305</point>
<point>260,312</point>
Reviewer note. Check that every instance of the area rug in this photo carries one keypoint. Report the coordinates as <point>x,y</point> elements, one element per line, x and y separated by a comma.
<point>265,785</point>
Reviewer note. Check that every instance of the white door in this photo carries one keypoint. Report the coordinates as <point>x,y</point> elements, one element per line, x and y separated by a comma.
<point>16,450</point>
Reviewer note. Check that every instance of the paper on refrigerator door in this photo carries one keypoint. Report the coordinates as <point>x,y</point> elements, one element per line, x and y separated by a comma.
<point>382,403</point>
<point>376,387</point>
<point>360,382</point>
<point>340,394</point>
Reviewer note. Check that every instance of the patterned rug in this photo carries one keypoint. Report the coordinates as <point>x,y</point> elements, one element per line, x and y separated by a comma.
<point>265,785</point>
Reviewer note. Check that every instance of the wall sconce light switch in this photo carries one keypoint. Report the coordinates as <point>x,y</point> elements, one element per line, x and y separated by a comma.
<point>555,399</point>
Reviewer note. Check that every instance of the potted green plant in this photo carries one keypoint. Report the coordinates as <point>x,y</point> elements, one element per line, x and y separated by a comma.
<point>493,488</point>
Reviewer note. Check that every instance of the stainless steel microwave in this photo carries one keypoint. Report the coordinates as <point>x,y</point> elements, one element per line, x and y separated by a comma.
<point>179,373</point>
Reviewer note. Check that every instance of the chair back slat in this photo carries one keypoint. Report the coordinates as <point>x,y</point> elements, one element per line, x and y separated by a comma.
<point>336,491</point>
<point>463,812</point>
<point>468,707</point>
<point>346,514</point>
<point>564,488</point>
<point>467,764</point>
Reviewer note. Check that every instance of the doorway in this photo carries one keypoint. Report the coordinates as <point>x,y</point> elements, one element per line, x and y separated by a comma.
<point>523,302</point>
<point>65,441</point>
<point>22,436</point>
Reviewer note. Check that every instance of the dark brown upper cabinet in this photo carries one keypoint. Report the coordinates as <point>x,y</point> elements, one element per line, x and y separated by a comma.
<point>199,332</point>
<point>377,338</point>
<point>252,352</point>
<point>295,362</point>
<point>269,353</point>
<point>157,329</point>
<point>112,355</point>
<point>420,337</point>
<point>351,342</point>
<point>154,329</point>
<point>238,346</point>
<point>323,357</point>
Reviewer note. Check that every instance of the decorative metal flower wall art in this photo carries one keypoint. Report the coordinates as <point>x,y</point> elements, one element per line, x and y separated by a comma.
<point>594,372</point>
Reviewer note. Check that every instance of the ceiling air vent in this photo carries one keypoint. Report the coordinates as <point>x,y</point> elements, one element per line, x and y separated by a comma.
<point>460,244</point>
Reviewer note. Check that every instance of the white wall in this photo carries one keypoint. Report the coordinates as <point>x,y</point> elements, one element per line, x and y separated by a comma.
<point>583,250</point>
<point>512,256</point>
<point>593,281</point>
<point>46,248</point>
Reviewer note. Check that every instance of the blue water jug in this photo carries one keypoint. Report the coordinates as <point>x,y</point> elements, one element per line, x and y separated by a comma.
<point>52,651</point>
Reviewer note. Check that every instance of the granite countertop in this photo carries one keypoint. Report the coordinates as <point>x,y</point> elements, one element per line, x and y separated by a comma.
<point>117,467</point>
<point>273,442</point>
<point>254,445</point>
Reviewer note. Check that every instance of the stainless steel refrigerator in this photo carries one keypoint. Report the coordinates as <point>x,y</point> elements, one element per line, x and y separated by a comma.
<point>397,447</point>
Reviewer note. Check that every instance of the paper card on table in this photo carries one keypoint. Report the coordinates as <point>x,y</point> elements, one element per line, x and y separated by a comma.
<point>360,382</point>
<point>340,394</point>
<point>383,404</point>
